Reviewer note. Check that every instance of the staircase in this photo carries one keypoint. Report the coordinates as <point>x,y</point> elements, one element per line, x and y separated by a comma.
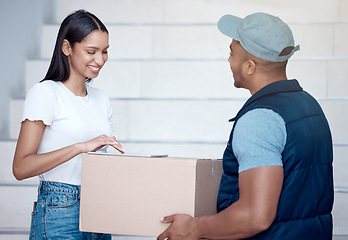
<point>171,88</point>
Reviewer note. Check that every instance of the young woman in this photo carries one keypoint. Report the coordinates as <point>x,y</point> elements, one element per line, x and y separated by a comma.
<point>62,118</point>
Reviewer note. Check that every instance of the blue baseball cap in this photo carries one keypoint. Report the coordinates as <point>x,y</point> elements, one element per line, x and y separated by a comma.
<point>262,35</point>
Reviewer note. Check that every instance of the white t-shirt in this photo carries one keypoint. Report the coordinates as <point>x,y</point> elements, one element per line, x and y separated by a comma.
<point>69,119</point>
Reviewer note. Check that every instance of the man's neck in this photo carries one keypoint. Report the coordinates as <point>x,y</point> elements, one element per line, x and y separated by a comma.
<point>265,80</point>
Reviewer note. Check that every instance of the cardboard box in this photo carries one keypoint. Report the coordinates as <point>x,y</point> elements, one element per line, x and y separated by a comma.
<point>128,195</point>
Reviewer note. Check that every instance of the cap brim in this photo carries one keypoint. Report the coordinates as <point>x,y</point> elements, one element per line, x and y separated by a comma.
<point>228,25</point>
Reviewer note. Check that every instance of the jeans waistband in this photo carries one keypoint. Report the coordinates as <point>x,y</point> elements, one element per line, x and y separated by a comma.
<point>46,186</point>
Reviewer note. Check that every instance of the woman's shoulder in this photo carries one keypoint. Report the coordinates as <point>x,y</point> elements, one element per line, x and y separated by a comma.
<point>43,90</point>
<point>44,85</point>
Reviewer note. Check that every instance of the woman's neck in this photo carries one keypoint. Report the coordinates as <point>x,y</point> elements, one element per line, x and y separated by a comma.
<point>76,87</point>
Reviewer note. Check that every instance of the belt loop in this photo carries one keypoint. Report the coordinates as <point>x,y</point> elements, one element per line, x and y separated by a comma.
<point>39,188</point>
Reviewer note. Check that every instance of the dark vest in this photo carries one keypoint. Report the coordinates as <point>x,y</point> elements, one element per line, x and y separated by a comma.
<point>305,204</point>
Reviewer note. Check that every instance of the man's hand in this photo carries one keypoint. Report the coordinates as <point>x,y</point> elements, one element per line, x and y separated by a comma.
<point>182,226</point>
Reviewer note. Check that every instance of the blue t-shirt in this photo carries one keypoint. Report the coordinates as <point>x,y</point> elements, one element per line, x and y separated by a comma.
<point>259,139</point>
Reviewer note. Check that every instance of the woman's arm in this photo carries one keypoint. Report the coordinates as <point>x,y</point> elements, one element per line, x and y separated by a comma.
<point>27,163</point>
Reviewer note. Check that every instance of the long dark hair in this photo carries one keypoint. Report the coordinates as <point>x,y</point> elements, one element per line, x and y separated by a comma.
<point>74,28</point>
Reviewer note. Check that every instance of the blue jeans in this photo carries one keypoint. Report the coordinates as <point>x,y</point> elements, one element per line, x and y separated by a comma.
<point>56,214</point>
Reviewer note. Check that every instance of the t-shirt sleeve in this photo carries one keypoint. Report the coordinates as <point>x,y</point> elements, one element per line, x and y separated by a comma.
<point>110,119</point>
<point>259,139</point>
<point>39,104</point>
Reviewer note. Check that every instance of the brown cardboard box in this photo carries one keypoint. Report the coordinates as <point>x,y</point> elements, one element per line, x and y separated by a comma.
<point>128,195</point>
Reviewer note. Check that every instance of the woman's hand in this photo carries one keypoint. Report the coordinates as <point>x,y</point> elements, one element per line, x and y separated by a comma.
<point>97,143</point>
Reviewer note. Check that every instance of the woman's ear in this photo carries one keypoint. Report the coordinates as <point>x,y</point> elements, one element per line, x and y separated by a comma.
<point>66,48</point>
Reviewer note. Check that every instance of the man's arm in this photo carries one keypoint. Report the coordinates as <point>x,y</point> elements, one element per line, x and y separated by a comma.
<point>253,213</point>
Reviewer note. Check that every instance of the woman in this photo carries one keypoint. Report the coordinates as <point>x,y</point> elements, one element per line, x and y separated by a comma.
<point>62,118</point>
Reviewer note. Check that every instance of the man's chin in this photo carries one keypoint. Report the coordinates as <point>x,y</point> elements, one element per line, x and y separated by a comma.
<point>237,85</point>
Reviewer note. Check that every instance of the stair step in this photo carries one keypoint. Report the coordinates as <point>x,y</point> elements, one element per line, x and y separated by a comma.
<point>195,79</point>
<point>340,213</point>
<point>23,193</point>
<point>166,120</point>
<point>195,12</point>
<point>156,42</point>
<point>174,149</point>
<point>18,204</point>
<point>7,149</point>
<point>23,197</point>
<point>200,42</point>
<point>186,120</point>
<point>174,80</point>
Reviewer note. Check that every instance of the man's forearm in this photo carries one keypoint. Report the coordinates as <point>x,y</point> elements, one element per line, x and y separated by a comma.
<point>235,222</point>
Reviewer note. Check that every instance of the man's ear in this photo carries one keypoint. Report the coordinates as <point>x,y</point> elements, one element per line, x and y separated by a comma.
<point>249,67</point>
<point>66,48</point>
